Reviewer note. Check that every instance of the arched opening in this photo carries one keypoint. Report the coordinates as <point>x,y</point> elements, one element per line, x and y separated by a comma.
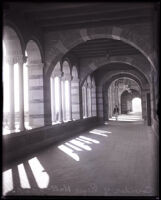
<point>66,94</point>
<point>6,90</point>
<point>94,108</point>
<point>126,102</point>
<point>89,97</point>
<point>55,86</point>
<point>136,105</point>
<point>121,92</point>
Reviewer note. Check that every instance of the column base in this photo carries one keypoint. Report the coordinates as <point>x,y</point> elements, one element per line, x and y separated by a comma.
<point>22,128</point>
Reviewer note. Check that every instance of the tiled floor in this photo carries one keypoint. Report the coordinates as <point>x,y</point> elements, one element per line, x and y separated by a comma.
<point>118,159</point>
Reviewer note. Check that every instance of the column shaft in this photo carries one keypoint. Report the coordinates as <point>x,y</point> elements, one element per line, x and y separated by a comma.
<point>60,105</point>
<point>86,102</point>
<point>70,102</point>
<point>11,98</point>
<point>63,100</point>
<point>53,99</point>
<point>21,97</point>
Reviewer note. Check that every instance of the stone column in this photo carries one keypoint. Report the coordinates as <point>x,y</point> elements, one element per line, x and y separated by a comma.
<point>70,101</point>
<point>21,96</point>
<point>91,101</point>
<point>11,63</point>
<point>86,101</point>
<point>75,101</point>
<point>144,105</point>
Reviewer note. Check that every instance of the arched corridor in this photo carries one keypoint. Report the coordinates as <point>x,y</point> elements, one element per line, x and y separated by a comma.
<point>80,99</point>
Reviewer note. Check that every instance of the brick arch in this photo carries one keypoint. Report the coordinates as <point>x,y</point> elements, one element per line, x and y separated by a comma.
<point>72,38</point>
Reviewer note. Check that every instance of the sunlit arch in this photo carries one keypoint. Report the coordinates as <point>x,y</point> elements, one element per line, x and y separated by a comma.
<point>12,59</point>
<point>136,105</point>
<point>55,93</point>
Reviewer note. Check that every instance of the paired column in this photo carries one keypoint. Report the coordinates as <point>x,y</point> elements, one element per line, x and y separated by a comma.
<point>11,61</point>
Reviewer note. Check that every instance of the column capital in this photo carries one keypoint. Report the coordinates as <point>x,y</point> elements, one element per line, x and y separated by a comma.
<point>35,65</point>
<point>66,77</point>
<point>57,74</point>
<point>11,60</point>
<point>75,79</point>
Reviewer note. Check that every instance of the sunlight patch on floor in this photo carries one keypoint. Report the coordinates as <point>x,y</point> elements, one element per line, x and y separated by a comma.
<point>7,181</point>
<point>69,151</point>
<point>23,177</point>
<point>41,177</point>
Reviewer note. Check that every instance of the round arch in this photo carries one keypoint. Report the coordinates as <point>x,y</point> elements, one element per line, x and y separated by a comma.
<point>121,62</point>
<point>126,100</point>
<point>112,32</point>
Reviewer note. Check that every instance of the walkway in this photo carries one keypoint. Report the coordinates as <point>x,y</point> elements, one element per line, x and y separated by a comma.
<point>115,159</point>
